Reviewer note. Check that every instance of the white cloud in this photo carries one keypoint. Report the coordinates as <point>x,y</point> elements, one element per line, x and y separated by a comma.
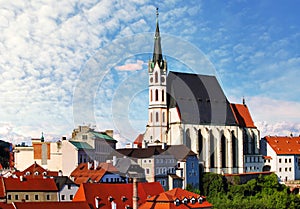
<point>131,66</point>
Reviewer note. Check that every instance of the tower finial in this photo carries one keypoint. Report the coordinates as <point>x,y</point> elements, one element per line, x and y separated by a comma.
<point>42,138</point>
<point>157,55</point>
<point>244,102</point>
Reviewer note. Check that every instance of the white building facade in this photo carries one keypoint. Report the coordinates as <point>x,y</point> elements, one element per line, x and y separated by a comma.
<point>282,156</point>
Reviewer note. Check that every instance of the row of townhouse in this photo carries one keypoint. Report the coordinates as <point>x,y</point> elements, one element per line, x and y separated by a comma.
<point>128,196</point>
<point>65,155</point>
<point>36,187</point>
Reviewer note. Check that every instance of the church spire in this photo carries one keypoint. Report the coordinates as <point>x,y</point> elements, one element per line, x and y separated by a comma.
<point>157,54</point>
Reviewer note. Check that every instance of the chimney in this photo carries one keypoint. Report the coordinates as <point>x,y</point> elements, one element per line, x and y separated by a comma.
<point>97,199</point>
<point>96,163</point>
<point>60,173</point>
<point>63,138</point>
<point>21,178</point>
<point>89,164</point>
<point>135,197</point>
<point>114,161</point>
<point>110,133</point>
<point>163,146</point>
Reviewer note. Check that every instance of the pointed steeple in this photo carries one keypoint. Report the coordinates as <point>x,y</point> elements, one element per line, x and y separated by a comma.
<point>42,138</point>
<point>157,54</point>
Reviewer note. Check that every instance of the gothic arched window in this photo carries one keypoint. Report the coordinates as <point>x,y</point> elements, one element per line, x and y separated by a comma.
<point>151,95</point>
<point>163,117</point>
<point>163,95</point>
<point>156,116</point>
<point>156,95</point>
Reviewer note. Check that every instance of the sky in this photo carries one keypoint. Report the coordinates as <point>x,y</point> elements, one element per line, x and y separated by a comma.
<point>69,63</point>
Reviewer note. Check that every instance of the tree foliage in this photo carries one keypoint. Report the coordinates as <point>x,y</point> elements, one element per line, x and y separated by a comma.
<point>264,192</point>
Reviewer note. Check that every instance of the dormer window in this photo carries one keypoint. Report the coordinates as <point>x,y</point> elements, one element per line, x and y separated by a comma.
<point>200,200</point>
<point>36,173</point>
<point>177,202</point>
<point>123,198</point>
<point>44,173</point>
<point>27,173</point>
<point>110,199</point>
<point>185,200</point>
<point>193,200</point>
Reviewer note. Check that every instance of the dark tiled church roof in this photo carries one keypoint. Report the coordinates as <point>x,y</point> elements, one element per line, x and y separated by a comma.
<point>199,99</point>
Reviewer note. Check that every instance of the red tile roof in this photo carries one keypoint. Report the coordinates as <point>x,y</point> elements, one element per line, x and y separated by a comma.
<point>139,140</point>
<point>31,184</point>
<point>4,205</point>
<point>267,157</point>
<point>36,171</point>
<point>242,115</point>
<point>82,174</point>
<point>167,200</point>
<point>2,188</point>
<point>48,205</point>
<point>88,192</point>
<point>284,145</point>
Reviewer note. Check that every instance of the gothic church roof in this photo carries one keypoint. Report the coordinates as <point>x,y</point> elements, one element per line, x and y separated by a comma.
<point>199,99</point>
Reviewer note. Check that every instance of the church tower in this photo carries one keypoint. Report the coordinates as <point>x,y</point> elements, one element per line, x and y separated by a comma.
<point>157,110</point>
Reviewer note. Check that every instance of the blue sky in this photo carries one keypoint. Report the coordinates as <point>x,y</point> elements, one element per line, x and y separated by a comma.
<point>65,63</point>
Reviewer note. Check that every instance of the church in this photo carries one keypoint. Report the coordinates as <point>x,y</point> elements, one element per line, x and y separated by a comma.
<point>192,110</point>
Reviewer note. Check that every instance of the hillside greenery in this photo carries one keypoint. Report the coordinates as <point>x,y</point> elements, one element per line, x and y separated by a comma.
<point>263,192</point>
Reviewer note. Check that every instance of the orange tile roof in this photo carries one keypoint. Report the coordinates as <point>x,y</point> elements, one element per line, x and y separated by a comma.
<point>88,192</point>
<point>267,157</point>
<point>36,171</point>
<point>56,205</point>
<point>167,199</point>
<point>139,140</point>
<point>242,115</point>
<point>31,184</point>
<point>284,145</point>
<point>82,174</point>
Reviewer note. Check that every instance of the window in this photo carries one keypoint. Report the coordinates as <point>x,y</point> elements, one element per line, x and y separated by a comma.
<point>192,165</point>
<point>151,95</point>
<point>69,186</point>
<point>84,137</point>
<point>279,169</point>
<point>290,169</point>
<point>48,197</point>
<point>9,197</point>
<point>156,77</point>
<point>285,160</point>
<point>290,160</point>
<point>63,197</point>
<point>156,95</point>
<point>147,171</point>
<point>149,161</point>
<point>71,197</point>
<point>279,160</point>
<point>163,95</point>
<point>163,117</point>
<point>285,169</point>
<point>16,197</point>
<point>26,197</point>
<point>36,197</point>
<point>156,116</point>
<point>151,117</point>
